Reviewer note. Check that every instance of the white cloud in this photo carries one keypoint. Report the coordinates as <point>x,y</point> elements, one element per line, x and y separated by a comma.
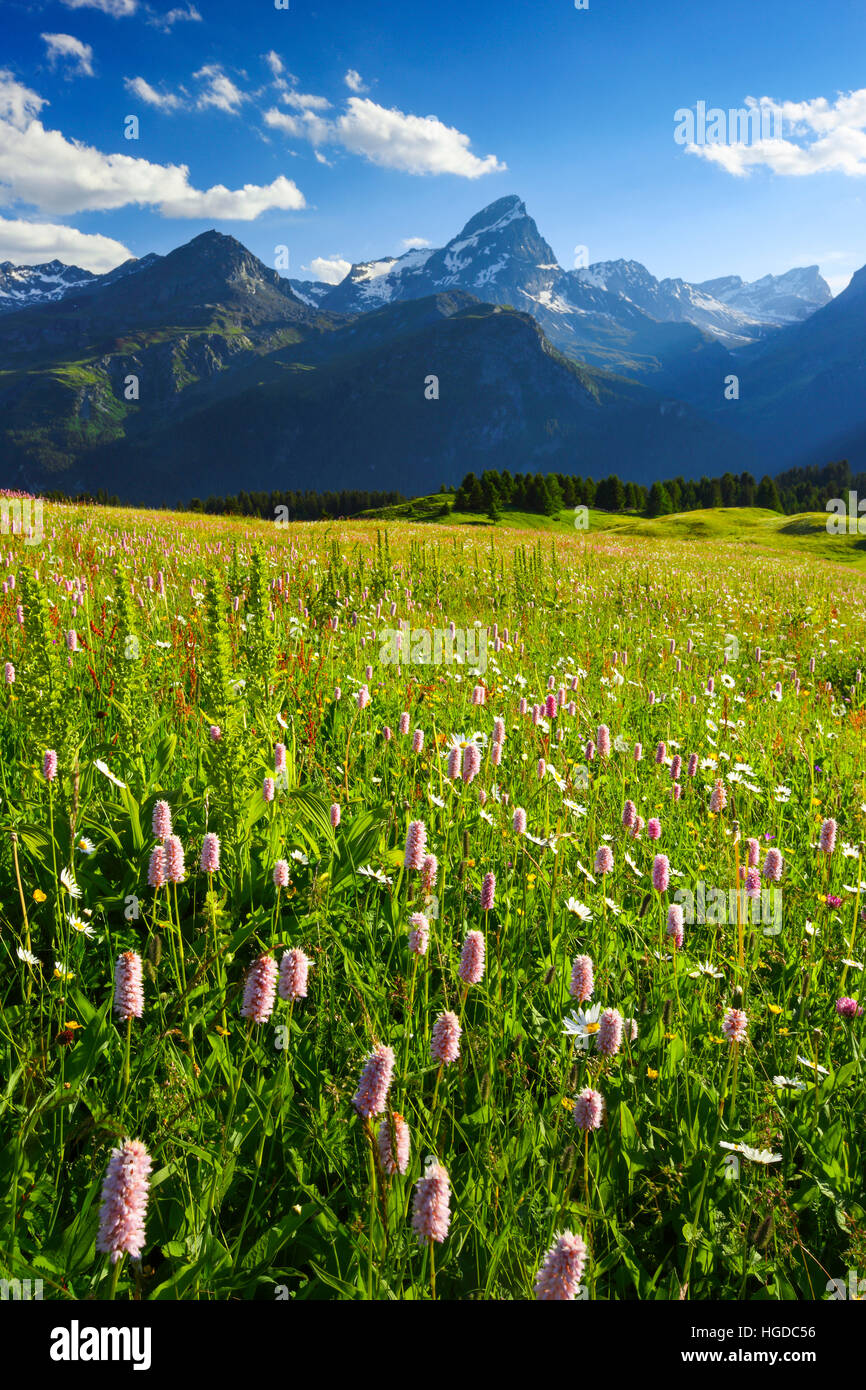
<point>413,144</point>
<point>329,269</point>
<point>275,63</point>
<point>18,104</point>
<point>307,126</point>
<point>65,46</point>
<point>164,101</point>
<point>220,91</point>
<point>42,169</point>
<point>414,243</point>
<point>118,9</point>
<point>241,204</point>
<point>304,101</point>
<point>34,243</point>
<point>816,137</point>
<point>167,21</point>
<point>354,81</point>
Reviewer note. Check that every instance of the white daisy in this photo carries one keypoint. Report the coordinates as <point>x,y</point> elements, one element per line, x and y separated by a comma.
<point>68,881</point>
<point>369,872</point>
<point>583,1025</point>
<point>805,1062</point>
<point>706,968</point>
<point>792,1083</point>
<point>579,909</point>
<point>27,956</point>
<point>86,846</point>
<point>107,772</point>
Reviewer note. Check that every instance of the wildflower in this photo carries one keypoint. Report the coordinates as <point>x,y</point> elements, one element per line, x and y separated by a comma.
<point>719,797</point>
<point>792,1083</point>
<point>259,990</point>
<point>588,1109</point>
<point>603,859</point>
<point>161,820</point>
<point>418,741</point>
<point>281,874</point>
<point>583,1025</point>
<point>294,969</point>
<point>705,968</point>
<point>579,909</point>
<point>471,967</point>
<point>661,873</point>
<point>372,1093</point>
<point>86,846</point>
<point>419,935</point>
<point>403,726</point>
<point>431,1215</point>
<point>9,673</point>
<point>773,865</point>
<point>582,981</point>
<point>734,1025</point>
<point>453,764</point>
<point>807,1062</point>
<point>675,929</point>
<point>416,844</point>
<point>828,836</point>
<point>429,872</point>
<point>280,759</point>
<point>488,889</point>
<point>754,1155</point>
<point>49,765</point>
<point>268,788</point>
<point>609,1037</point>
<point>629,814</point>
<point>394,1158</point>
<point>156,871</point>
<point>692,768</point>
<point>174,865</point>
<point>128,991</point>
<point>215,733</point>
<point>210,853</point>
<point>335,816</point>
<point>445,1038</point>
<point>661,753</point>
<point>848,1008</point>
<point>124,1202</point>
<point>362,699</point>
<point>654,828</point>
<point>602,739</point>
<point>471,762</point>
<point>68,880</point>
<point>559,1278</point>
<point>26,956</point>
<point>518,821</point>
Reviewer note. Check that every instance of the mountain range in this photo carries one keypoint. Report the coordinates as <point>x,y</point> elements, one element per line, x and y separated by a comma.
<point>204,370</point>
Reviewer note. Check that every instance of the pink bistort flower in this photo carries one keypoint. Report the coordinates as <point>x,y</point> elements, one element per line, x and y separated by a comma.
<point>124,1202</point>
<point>431,1216</point>
<point>372,1093</point>
<point>559,1278</point>
<point>260,990</point>
<point>128,991</point>
<point>445,1038</point>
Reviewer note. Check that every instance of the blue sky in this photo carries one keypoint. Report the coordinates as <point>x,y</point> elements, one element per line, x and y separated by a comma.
<point>344,131</point>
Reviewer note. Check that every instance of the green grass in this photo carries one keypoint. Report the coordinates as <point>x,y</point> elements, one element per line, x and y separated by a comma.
<point>262,1184</point>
